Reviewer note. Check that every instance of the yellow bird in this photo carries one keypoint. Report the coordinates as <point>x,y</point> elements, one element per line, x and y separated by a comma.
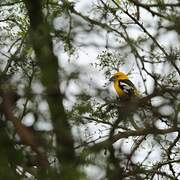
<point>123,86</point>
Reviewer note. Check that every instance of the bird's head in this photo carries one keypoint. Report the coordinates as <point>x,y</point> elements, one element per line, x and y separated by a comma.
<point>118,76</point>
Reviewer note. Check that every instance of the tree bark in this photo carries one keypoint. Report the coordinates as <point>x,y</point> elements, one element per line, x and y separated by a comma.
<point>48,63</point>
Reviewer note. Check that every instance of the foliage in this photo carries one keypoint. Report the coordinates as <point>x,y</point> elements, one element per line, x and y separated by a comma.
<point>56,122</point>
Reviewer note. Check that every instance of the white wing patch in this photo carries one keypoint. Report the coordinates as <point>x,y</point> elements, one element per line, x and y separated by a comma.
<point>127,88</point>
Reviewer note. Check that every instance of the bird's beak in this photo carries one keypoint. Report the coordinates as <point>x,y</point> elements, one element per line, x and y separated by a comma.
<point>112,79</point>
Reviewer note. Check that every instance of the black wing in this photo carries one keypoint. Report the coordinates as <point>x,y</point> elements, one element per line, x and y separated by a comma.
<point>127,86</point>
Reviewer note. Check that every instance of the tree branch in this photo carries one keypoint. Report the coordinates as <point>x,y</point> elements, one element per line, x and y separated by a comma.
<point>48,63</point>
<point>24,133</point>
<point>126,134</point>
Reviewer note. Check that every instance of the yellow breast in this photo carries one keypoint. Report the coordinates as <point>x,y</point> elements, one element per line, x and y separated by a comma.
<point>118,90</point>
